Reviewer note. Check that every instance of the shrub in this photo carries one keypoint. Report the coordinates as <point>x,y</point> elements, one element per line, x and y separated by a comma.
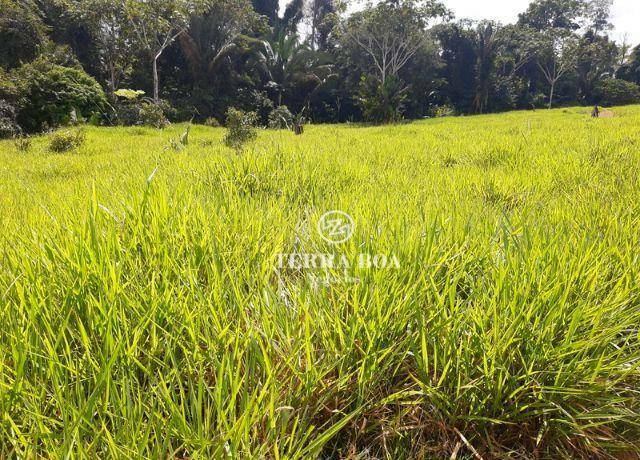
<point>612,91</point>
<point>64,141</point>
<point>444,111</point>
<point>240,128</point>
<point>255,101</point>
<point>23,144</point>
<point>280,118</point>
<point>382,102</point>
<point>132,110</point>
<point>212,122</point>
<point>51,93</point>
<point>8,125</point>
<point>8,112</point>
<point>152,114</point>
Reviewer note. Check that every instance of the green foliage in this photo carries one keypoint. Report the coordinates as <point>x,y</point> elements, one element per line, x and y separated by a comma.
<point>112,36</point>
<point>49,93</point>
<point>8,120</point>
<point>280,118</point>
<point>22,32</point>
<point>22,144</point>
<point>544,15</point>
<point>612,91</point>
<point>132,110</point>
<point>258,102</point>
<point>240,129</point>
<point>382,102</point>
<point>152,114</point>
<point>212,122</point>
<point>63,141</point>
<point>630,70</point>
<point>289,63</point>
<point>440,111</point>
<point>129,94</point>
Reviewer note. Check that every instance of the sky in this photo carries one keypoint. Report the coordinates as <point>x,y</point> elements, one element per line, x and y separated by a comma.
<point>625,14</point>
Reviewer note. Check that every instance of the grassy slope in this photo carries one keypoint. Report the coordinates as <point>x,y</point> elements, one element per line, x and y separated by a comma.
<point>141,320</point>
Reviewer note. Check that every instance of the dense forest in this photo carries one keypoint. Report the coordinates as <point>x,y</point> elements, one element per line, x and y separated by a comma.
<point>148,61</point>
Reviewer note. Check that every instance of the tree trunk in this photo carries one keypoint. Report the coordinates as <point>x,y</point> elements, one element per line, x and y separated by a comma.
<point>112,78</point>
<point>156,83</point>
<point>553,87</point>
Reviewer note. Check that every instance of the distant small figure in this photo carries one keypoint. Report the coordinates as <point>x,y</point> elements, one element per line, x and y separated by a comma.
<point>298,129</point>
<point>595,113</point>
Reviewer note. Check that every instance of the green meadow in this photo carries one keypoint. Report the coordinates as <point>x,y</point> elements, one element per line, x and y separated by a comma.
<point>144,313</point>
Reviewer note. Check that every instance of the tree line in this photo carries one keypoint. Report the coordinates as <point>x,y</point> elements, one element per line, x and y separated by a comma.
<point>115,61</point>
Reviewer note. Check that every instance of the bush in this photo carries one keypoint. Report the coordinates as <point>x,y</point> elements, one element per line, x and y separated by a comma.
<point>22,144</point>
<point>8,125</point>
<point>255,101</point>
<point>152,114</point>
<point>50,93</point>
<point>611,91</point>
<point>240,128</point>
<point>212,122</point>
<point>8,112</point>
<point>132,110</point>
<point>280,118</point>
<point>64,141</point>
<point>382,102</point>
<point>445,110</point>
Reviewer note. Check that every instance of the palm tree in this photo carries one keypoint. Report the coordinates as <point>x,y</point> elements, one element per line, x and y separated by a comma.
<point>288,63</point>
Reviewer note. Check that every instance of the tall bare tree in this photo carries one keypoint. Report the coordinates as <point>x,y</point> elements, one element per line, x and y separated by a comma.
<point>156,25</point>
<point>391,32</point>
<point>107,23</point>
<point>556,57</point>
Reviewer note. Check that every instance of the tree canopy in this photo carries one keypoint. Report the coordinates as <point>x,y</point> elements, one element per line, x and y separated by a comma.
<point>387,60</point>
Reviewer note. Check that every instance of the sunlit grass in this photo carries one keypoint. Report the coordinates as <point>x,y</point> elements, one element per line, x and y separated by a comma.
<point>143,315</point>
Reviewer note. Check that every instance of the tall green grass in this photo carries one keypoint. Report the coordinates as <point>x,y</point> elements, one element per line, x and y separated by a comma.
<point>142,313</point>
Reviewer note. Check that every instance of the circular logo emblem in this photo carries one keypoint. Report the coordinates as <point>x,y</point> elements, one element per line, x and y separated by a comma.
<point>336,227</point>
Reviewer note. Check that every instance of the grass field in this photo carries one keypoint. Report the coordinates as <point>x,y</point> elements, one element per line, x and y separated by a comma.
<point>143,313</point>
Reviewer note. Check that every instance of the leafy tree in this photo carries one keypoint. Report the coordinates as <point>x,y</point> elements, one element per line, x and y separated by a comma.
<point>267,8</point>
<point>22,32</point>
<point>555,57</point>
<point>553,14</point>
<point>291,18</point>
<point>597,14</point>
<point>107,24</point>
<point>391,32</point>
<point>630,70</point>
<point>595,60</point>
<point>485,61</point>
<point>389,35</point>
<point>112,34</point>
<point>322,18</point>
<point>458,47</point>
<point>156,25</point>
